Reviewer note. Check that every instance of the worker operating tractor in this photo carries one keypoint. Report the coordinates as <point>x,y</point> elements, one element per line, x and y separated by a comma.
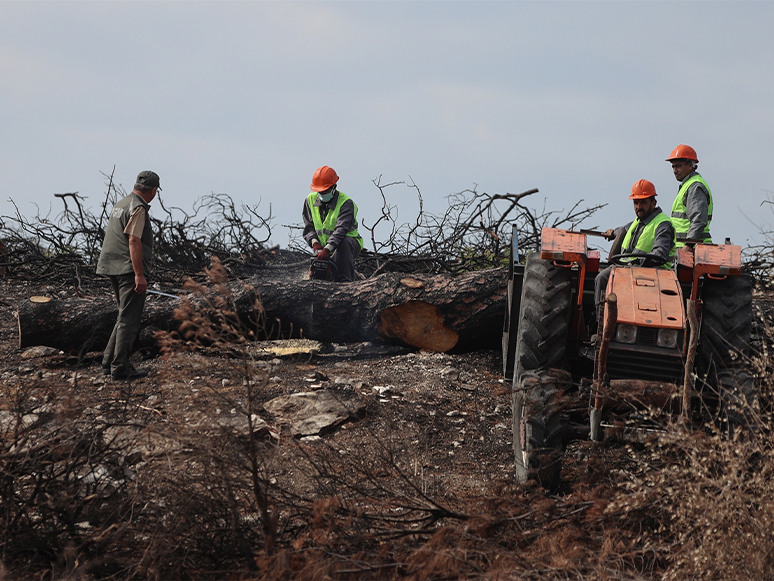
<point>692,208</point>
<point>330,226</point>
<point>651,234</point>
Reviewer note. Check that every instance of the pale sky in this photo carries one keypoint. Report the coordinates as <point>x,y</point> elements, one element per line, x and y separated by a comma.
<point>578,99</point>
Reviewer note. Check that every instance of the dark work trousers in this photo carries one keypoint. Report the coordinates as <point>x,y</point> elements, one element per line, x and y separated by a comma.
<point>600,285</point>
<point>344,259</point>
<point>130,307</point>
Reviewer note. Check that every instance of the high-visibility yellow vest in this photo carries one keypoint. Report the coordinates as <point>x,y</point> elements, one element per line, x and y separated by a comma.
<point>324,228</point>
<point>647,236</point>
<point>680,219</point>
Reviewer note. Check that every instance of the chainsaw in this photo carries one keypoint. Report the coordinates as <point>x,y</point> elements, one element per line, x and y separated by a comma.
<point>322,270</point>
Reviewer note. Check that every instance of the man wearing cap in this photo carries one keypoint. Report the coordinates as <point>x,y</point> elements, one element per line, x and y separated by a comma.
<point>650,233</point>
<point>126,257</point>
<point>330,224</point>
<point>692,208</point>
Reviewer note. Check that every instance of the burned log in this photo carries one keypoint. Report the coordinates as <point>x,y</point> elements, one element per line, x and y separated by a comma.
<point>433,312</point>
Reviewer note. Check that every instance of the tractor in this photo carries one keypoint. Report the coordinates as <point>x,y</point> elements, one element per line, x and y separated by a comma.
<point>671,339</point>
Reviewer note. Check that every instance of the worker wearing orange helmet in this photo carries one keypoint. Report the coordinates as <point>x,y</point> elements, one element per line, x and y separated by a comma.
<point>651,233</point>
<point>692,208</point>
<point>330,224</point>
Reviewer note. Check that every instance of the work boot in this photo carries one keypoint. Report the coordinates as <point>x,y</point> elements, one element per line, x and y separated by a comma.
<point>129,373</point>
<point>106,370</point>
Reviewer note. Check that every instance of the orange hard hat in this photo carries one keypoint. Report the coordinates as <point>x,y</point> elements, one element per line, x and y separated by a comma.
<point>324,177</point>
<point>643,189</point>
<point>683,152</point>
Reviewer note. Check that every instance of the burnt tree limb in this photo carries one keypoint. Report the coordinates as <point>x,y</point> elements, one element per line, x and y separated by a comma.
<point>434,312</point>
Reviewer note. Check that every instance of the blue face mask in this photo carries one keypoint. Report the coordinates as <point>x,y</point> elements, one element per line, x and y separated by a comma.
<point>326,197</point>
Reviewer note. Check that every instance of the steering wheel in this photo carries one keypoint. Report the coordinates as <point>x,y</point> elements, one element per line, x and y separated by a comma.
<point>650,259</point>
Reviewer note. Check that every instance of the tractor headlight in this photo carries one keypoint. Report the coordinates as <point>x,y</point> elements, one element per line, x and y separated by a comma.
<point>667,338</point>
<point>626,333</point>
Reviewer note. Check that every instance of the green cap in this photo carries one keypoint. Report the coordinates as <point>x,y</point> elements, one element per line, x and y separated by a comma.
<point>148,178</point>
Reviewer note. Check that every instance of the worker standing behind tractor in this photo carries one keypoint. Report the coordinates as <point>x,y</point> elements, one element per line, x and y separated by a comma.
<point>692,208</point>
<point>330,224</point>
<point>651,234</point>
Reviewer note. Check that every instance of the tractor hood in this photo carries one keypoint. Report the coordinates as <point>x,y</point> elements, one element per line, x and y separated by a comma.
<point>648,297</point>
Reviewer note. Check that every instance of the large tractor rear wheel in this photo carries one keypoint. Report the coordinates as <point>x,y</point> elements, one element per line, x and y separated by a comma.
<point>724,344</point>
<point>544,323</point>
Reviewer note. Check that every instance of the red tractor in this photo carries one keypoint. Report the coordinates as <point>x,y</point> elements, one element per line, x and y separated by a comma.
<point>676,339</point>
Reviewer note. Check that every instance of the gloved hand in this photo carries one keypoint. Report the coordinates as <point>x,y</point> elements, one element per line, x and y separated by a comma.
<point>609,234</point>
<point>316,247</point>
<point>323,254</point>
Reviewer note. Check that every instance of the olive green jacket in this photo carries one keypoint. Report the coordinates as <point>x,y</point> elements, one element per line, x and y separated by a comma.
<point>114,258</point>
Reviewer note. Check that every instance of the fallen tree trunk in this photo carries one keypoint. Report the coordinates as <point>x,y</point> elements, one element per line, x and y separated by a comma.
<point>433,312</point>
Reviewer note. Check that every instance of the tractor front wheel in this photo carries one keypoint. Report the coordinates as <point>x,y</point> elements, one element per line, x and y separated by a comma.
<point>537,426</point>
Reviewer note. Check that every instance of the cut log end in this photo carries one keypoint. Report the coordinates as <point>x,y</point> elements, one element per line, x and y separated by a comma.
<point>39,299</point>
<point>418,324</point>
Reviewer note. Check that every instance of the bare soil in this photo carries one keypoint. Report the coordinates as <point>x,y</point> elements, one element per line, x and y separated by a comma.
<point>451,413</point>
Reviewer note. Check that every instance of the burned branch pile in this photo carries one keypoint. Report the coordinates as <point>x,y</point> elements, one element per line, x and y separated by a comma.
<point>65,248</point>
<point>473,233</point>
<point>759,258</point>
